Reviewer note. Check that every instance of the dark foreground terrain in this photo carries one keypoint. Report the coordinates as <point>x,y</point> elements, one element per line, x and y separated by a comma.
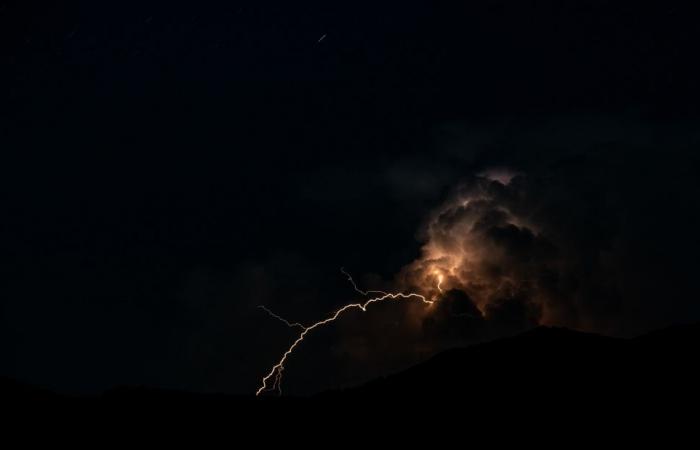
<point>543,375</point>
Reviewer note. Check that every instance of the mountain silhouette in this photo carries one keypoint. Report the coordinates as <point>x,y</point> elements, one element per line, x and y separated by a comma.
<point>546,372</point>
<point>558,365</point>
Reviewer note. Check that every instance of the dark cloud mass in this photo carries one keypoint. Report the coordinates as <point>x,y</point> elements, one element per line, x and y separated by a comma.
<point>573,235</point>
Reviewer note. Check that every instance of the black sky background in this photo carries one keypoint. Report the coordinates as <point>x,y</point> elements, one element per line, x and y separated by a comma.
<point>168,167</point>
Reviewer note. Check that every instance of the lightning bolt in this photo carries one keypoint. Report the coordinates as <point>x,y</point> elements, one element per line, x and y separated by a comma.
<point>282,319</point>
<point>439,278</point>
<point>273,380</point>
<point>365,293</point>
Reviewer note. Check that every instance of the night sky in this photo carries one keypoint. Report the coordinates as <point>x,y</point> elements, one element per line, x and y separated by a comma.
<point>168,168</point>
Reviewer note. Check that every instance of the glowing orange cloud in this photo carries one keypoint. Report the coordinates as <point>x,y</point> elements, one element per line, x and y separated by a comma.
<point>470,244</point>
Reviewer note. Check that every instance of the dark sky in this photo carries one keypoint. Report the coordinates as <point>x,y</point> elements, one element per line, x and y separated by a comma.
<point>166,168</point>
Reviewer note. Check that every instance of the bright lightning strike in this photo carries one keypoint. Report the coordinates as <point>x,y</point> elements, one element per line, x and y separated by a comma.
<point>273,380</point>
<point>439,278</point>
